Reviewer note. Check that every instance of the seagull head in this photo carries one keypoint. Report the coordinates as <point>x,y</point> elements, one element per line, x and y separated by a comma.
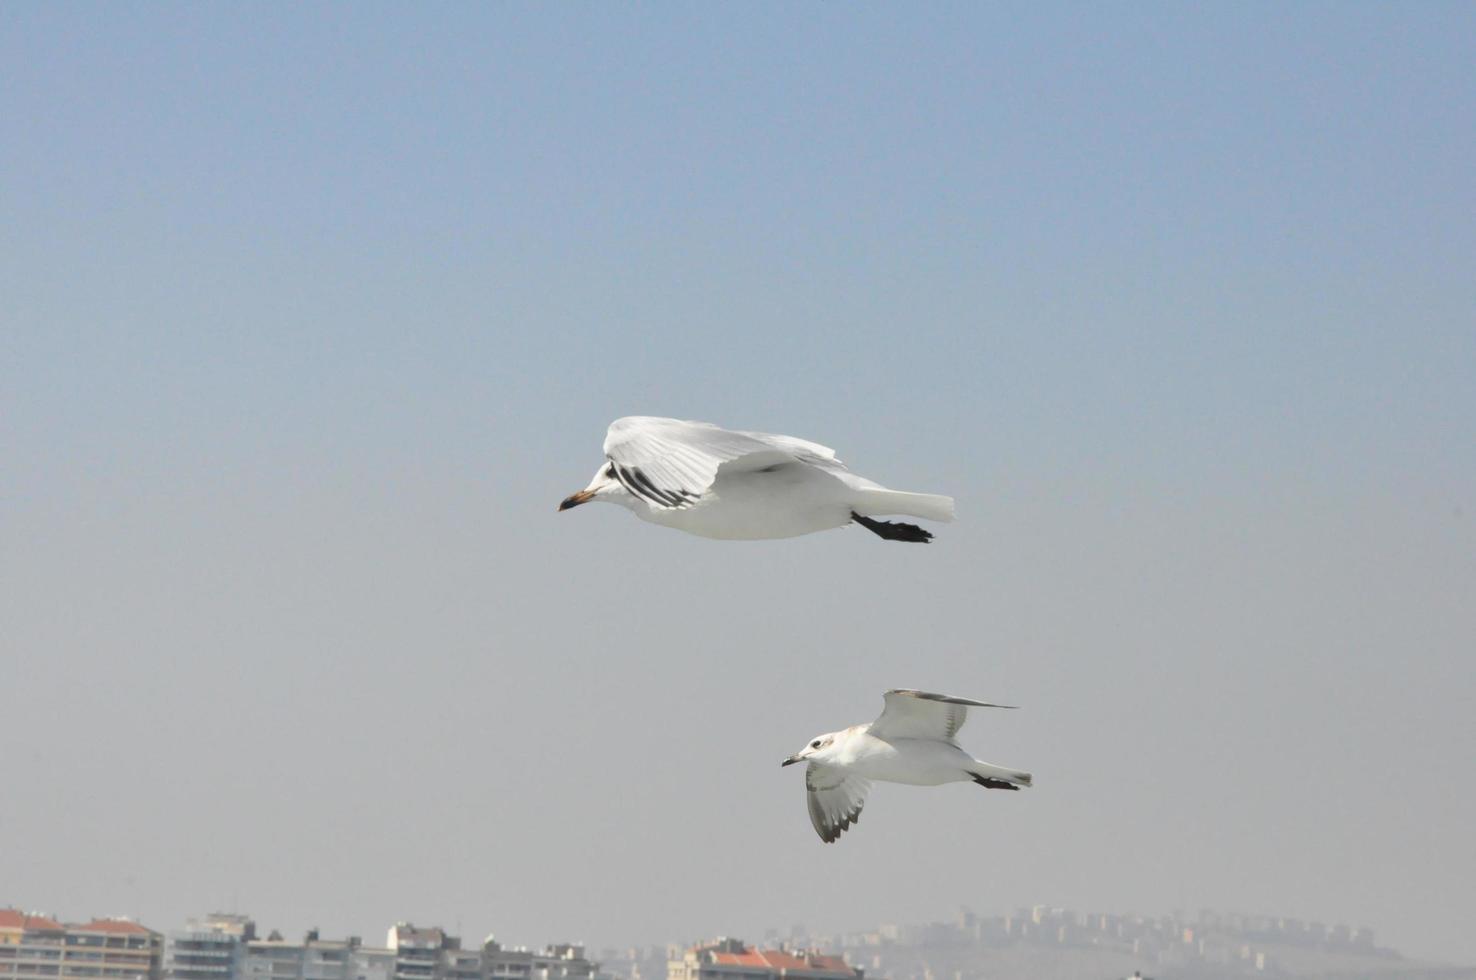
<point>818,749</point>
<point>604,486</point>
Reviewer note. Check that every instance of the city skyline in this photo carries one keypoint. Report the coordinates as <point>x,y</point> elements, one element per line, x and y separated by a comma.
<point>1042,940</point>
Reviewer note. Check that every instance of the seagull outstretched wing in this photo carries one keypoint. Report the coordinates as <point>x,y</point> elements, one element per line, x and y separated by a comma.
<point>919,714</point>
<point>835,798</point>
<point>670,463</point>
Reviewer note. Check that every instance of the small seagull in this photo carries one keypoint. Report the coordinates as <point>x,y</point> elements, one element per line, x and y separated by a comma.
<point>912,742</point>
<point>719,483</point>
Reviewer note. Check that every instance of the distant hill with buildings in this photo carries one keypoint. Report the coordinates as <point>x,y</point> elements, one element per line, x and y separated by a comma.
<point>1046,943</point>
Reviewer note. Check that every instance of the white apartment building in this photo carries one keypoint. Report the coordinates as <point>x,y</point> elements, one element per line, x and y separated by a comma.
<point>561,961</point>
<point>226,947</point>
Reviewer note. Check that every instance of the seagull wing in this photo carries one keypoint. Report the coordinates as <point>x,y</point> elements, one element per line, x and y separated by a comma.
<point>800,449</point>
<point>835,798</point>
<point>818,456</point>
<point>670,463</point>
<point>918,714</point>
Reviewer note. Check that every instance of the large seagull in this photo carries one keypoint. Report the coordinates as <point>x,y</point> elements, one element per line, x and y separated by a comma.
<point>911,742</point>
<point>721,483</point>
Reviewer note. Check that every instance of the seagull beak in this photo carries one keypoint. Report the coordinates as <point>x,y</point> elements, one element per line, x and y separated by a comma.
<point>583,496</point>
<point>790,761</point>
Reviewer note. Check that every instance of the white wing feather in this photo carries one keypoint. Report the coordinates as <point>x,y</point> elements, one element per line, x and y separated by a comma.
<point>920,714</point>
<point>670,463</point>
<point>835,799</point>
<point>801,449</point>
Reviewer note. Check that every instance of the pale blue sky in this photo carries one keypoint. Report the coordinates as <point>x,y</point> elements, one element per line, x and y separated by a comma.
<point>312,315</point>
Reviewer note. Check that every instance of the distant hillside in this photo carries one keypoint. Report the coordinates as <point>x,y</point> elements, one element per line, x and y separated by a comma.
<point>1043,943</point>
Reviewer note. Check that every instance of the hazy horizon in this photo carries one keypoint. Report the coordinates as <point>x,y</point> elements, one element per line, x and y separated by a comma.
<point>314,314</point>
<point>771,934</point>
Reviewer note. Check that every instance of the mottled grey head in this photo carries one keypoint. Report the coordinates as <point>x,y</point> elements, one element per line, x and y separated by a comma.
<point>818,748</point>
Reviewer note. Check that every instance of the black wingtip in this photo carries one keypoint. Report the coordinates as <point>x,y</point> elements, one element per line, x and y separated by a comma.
<point>893,530</point>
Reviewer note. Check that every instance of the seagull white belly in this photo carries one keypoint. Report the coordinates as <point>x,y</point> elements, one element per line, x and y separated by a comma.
<point>914,761</point>
<point>784,502</point>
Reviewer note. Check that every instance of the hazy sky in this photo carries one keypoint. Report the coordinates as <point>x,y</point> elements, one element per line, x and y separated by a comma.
<point>311,316</point>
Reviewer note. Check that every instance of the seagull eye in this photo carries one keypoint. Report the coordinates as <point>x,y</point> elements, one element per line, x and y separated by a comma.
<point>815,744</point>
<point>610,471</point>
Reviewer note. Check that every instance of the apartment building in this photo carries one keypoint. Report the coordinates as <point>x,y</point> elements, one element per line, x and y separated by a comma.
<point>732,959</point>
<point>562,961</point>
<point>37,947</point>
<point>210,948</point>
<point>227,947</point>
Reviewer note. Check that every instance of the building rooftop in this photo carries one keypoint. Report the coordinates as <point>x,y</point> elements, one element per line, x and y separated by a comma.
<point>778,959</point>
<point>16,919</point>
<point>728,952</point>
<point>116,926</point>
<point>406,934</point>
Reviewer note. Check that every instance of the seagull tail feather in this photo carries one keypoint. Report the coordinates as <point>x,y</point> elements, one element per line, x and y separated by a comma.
<point>932,506</point>
<point>996,777</point>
